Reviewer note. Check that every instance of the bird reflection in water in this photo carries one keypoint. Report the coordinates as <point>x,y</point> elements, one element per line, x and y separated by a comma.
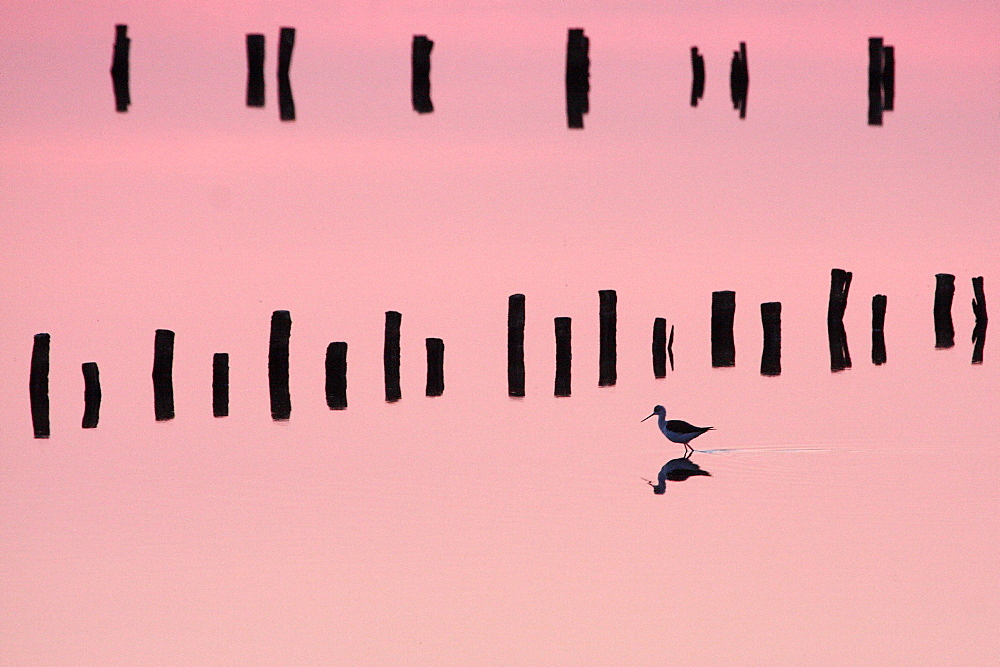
<point>675,470</point>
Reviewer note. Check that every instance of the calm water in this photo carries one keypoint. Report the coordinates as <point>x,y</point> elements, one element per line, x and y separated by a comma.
<point>849,517</point>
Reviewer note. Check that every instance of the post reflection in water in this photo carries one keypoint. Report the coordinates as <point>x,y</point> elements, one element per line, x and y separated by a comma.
<point>676,470</point>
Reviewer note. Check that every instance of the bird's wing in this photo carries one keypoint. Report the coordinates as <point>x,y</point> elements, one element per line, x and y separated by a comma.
<point>678,426</point>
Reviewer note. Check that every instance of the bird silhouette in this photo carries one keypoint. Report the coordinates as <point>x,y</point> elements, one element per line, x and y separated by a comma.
<point>676,430</point>
<point>676,470</point>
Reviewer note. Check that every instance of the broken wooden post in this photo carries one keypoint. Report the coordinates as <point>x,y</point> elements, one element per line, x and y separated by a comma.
<point>277,365</point>
<point>577,77</point>
<point>875,66</point>
<point>91,395</point>
<point>564,355</point>
<point>255,70</point>
<point>38,385</point>
<point>660,348</point>
<point>286,104</point>
<point>770,358</point>
<point>608,361</point>
<point>840,287</point>
<point>120,69</point>
<point>979,309</point>
<point>515,345</point>
<point>697,76</point>
<point>220,384</point>
<point>878,329</point>
<point>739,79</point>
<point>336,376</point>
<point>163,374</point>
<point>944,293</point>
<point>420,74</point>
<point>435,367</point>
<point>888,77</point>
<point>390,356</point>
<point>723,343</point>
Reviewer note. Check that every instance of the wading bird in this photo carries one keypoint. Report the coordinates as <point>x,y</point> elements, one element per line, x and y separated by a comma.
<point>676,430</point>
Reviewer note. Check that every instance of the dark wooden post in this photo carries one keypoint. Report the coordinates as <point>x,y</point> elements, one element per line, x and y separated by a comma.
<point>875,67</point>
<point>888,77</point>
<point>608,361</point>
<point>120,69</point>
<point>515,345</point>
<point>286,104</point>
<point>38,385</point>
<point>670,347</point>
<point>697,76</point>
<point>336,376</point>
<point>840,287</point>
<point>390,356</point>
<point>163,374</point>
<point>739,79</point>
<point>660,347</point>
<point>770,358</point>
<point>420,74</point>
<point>220,384</point>
<point>564,355</point>
<point>979,309</point>
<point>255,70</point>
<point>91,395</point>
<point>944,293</point>
<point>577,77</point>
<point>435,367</point>
<point>878,329</point>
<point>723,343</point>
<point>277,365</point>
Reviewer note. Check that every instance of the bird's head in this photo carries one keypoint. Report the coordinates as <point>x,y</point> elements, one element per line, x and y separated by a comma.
<point>657,410</point>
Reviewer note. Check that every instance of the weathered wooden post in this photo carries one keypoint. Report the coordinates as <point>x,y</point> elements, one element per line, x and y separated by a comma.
<point>435,367</point>
<point>91,395</point>
<point>38,385</point>
<point>220,384</point>
<point>770,358</point>
<point>944,293</point>
<point>577,77</point>
<point>255,70</point>
<point>840,287</point>
<point>163,374</point>
<point>979,309</point>
<point>888,77</point>
<point>564,356</point>
<point>697,76</point>
<point>515,345</point>
<point>390,356</point>
<point>876,54</point>
<point>723,343</point>
<point>739,79</point>
<point>336,376</point>
<point>420,74</point>
<point>878,329</point>
<point>660,348</point>
<point>608,361</point>
<point>277,365</point>
<point>120,68</point>
<point>286,104</point>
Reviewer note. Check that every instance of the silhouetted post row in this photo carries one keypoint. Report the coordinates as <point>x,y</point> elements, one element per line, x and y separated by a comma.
<point>878,329</point>
<point>659,348</point>
<point>390,356</point>
<point>277,365</point>
<point>979,309</point>
<point>723,343</point>
<point>564,356</point>
<point>697,76</point>
<point>163,374</point>
<point>286,104</point>
<point>770,358</point>
<point>608,362</point>
<point>120,68</point>
<point>739,79</point>
<point>577,77</point>
<point>336,376</point>
<point>91,395</point>
<point>220,384</point>
<point>840,286</point>
<point>255,70</point>
<point>515,345</point>
<point>944,294</point>
<point>38,385</point>
<point>435,367</point>
<point>420,74</point>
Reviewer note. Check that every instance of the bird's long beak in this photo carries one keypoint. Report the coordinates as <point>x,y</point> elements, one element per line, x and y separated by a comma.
<point>645,418</point>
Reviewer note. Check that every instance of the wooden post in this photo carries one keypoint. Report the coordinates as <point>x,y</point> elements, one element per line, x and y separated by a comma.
<point>220,384</point>
<point>670,347</point>
<point>277,365</point>
<point>697,76</point>
<point>255,70</point>
<point>390,356</point>
<point>435,367</point>
<point>120,68</point>
<point>163,374</point>
<point>336,376</point>
<point>564,356</point>
<point>577,77</point>
<point>38,385</point>
<point>286,104</point>
<point>91,395</point>
<point>944,293</point>
<point>420,74</point>
<point>515,345</point>
<point>878,329</point>
<point>979,309</point>
<point>888,77</point>
<point>608,361</point>
<point>840,287</point>
<point>723,343</point>
<point>660,348</point>
<point>876,54</point>
<point>739,79</point>
<point>770,358</point>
